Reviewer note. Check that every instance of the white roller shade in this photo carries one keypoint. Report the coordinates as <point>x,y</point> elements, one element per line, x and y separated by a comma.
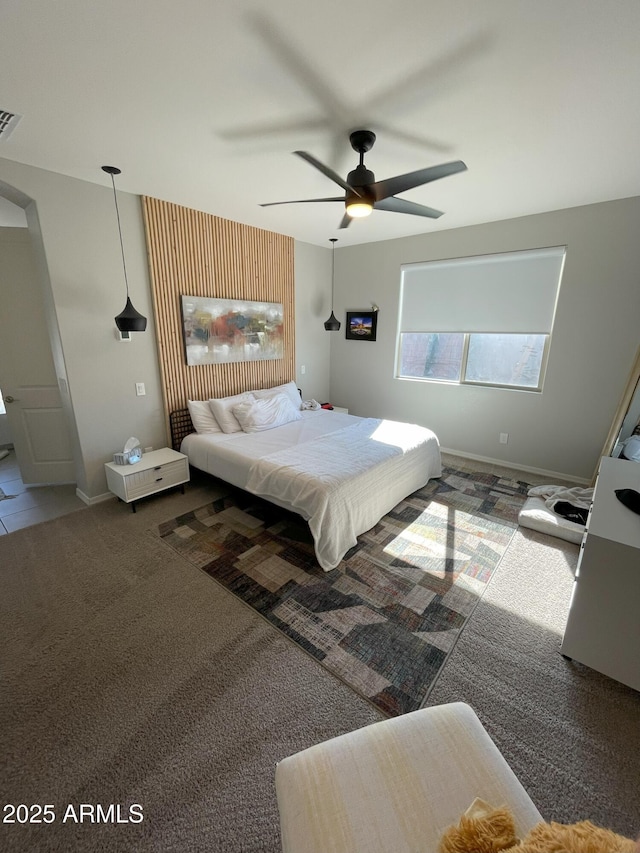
<point>513,292</point>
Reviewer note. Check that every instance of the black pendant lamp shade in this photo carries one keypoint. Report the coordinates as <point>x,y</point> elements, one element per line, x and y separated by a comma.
<point>129,320</point>
<point>332,324</point>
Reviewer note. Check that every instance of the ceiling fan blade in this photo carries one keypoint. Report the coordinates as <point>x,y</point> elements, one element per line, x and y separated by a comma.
<point>301,70</point>
<point>302,201</point>
<point>393,186</point>
<point>278,128</point>
<point>401,205</point>
<point>334,176</point>
<point>430,80</point>
<point>412,139</point>
<point>346,221</point>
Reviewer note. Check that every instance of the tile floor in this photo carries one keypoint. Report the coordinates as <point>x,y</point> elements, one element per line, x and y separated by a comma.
<point>23,506</point>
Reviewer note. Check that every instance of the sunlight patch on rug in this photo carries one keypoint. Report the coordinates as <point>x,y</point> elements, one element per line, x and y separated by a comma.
<point>387,618</point>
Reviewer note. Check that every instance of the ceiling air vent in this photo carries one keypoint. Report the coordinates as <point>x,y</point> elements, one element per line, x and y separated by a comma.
<point>8,121</point>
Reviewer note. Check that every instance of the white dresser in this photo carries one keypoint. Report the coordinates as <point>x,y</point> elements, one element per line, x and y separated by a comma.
<point>603,627</point>
<point>156,471</point>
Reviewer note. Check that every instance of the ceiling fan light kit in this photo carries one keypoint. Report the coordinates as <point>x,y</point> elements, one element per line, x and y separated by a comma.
<point>359,208</point>
<point>364,194</point>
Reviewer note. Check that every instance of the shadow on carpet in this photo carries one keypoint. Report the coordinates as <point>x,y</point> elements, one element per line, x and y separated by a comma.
<point>386,619</point>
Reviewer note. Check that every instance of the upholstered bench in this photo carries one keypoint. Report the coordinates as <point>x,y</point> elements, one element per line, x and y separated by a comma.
<point>394,786</point>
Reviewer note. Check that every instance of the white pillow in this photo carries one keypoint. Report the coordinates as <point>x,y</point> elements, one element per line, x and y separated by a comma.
<point>289,388</point>
<point>267,413</point>
<point>222,410</point>
<point>202,417</point>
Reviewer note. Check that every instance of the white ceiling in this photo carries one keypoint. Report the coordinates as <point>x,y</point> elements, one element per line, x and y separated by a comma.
<point>538,97</point>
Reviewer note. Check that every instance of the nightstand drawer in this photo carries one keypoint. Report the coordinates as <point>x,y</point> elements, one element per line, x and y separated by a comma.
<point>143,483</point>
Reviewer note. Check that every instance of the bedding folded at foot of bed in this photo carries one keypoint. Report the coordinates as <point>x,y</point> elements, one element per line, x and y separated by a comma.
<point>344,482</point>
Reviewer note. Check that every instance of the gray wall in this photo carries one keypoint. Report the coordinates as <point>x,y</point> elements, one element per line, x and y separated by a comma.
<point>595,338</point>
<point>313,306</point>
<point>73,228</point>
<point>11,216</point>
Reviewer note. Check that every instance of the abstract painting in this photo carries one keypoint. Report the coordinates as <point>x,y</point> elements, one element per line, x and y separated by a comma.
<point>218,331</point>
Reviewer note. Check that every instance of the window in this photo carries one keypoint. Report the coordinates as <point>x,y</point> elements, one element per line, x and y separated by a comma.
<point>506,359</point>
<point>485,320</point>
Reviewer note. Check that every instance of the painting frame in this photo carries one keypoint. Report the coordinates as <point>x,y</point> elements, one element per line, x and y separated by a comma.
<point>361,325</point>
<point>218,330</point>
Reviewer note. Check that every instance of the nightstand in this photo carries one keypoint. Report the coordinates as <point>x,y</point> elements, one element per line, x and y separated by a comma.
<point>156,471</point>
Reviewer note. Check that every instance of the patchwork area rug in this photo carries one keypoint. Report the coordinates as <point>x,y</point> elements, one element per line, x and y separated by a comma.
<point>386,619</point>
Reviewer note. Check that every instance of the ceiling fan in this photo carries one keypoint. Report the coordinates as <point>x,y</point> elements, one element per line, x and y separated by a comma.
<point>364,193</point>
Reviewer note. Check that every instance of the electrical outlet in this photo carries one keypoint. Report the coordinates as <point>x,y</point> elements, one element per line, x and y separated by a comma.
<point>303,369</point>
<point>504,437</point>
<point>140,389</point>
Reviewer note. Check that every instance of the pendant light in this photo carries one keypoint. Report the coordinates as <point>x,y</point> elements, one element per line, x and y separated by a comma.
<point>129,320</point>
<point>332,324</point>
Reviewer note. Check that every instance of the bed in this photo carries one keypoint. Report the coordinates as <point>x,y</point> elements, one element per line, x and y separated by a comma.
<point>340,472</point>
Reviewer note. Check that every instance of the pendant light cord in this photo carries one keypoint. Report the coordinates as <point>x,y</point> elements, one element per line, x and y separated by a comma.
<point>333,240</point>
<point>124,266</point>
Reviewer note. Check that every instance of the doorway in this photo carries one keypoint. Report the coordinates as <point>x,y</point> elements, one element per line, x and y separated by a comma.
<point>33,420</point>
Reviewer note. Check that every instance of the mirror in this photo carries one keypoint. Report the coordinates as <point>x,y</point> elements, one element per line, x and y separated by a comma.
<point>627,418</point>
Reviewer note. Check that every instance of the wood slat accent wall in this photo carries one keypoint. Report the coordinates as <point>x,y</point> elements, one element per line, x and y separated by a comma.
<point>198,254</point>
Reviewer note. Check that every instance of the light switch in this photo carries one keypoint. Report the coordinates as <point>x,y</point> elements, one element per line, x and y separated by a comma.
<point>140,391</point>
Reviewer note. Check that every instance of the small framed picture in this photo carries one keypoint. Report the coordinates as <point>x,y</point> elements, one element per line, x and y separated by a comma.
<point>361,325</point>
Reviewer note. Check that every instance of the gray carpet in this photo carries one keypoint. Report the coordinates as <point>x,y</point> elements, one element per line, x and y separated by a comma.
<point>129,676</point>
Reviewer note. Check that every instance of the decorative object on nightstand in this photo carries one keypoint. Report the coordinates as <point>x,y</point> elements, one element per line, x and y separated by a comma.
<point>155,472</point>
<point>131,453</point>
<point>329,407</point>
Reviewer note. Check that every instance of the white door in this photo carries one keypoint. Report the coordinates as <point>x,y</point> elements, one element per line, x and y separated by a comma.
<point>39,433</point>
<point>38,425</point>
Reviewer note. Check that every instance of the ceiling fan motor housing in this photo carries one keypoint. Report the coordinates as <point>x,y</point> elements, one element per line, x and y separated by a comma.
<point>361,179</point>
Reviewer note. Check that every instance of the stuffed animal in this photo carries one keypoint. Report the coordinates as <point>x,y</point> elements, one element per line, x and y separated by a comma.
<point>484,829</point>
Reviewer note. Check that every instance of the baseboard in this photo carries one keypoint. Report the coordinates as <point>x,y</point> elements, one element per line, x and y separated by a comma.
<point>553,475</point>
<point>91,501</point>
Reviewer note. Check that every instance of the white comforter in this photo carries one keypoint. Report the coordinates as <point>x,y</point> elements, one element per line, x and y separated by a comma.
<point>342,482</point>
<point>339,482</point>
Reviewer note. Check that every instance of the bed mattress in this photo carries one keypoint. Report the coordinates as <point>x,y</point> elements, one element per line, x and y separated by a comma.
<point>339,472</point>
